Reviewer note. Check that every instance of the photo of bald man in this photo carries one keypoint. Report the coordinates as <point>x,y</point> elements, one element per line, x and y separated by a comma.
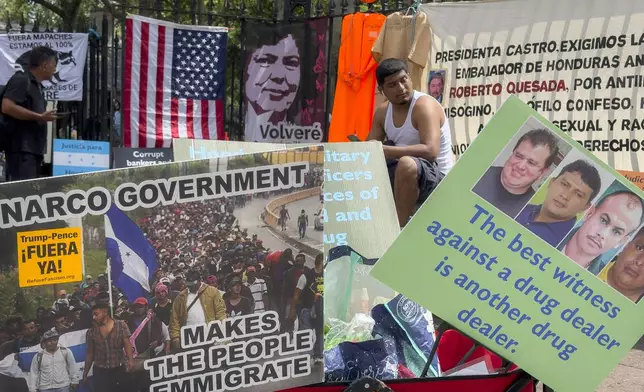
<point>626,273</point>
<point>568,194</point>
<point>606,226</point>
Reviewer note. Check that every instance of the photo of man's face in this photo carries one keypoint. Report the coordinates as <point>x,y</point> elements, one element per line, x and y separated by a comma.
<point>627,275</point>
<point>435,88</point>
<point>609,224</point>
<point>567,196</point>
<point>274,76</point>
<point>526,164</point>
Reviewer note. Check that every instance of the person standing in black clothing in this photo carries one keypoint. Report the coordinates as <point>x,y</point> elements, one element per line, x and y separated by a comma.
<point>163,306</point>
<point>291,301</point>
<point>302,223</point>
<point>25,115</point>
<point>236,304</point>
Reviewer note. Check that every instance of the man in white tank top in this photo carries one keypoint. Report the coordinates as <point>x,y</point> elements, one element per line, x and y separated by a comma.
<point>418,138</point>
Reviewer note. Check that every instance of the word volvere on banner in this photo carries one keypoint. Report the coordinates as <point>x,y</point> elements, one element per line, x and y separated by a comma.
<point>150,193</point>
<point>50,256</point>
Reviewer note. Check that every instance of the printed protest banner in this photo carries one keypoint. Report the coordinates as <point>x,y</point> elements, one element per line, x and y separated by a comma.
<point>285,81</point>
<point>135,157</point>
<point>155,244</point>
<point>358,205</point>
<point>550,285</point>
<point>359,223</point>
<point>636,178</point>
<point>67,83</point>
<point>80,156</point>
<point>578,67</point>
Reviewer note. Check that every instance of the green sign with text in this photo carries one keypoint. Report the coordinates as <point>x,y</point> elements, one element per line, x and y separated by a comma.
<point>533,247</point>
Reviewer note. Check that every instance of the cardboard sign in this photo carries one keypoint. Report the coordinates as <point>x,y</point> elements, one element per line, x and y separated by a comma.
<point>80,156</point>
<point>359,212</point>
<point>136,157</point>
<point>137,232</point>
<point>530,246</point>
<point>71,51</point>
<point>50,256</point>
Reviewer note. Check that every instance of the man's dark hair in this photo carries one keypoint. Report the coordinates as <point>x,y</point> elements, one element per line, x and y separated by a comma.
<point>617,193</point>
<point>193,275</point>
<point>100,305</point>
<point>40,54</point>
<point>389,67</point>
<point>541,137</point>
<point>589,175</point>
<point>437,75</point>
<point>28,321</point>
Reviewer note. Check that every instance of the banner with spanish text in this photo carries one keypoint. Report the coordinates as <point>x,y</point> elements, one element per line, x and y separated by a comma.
<point>71,51</point>
<point>576,62</point>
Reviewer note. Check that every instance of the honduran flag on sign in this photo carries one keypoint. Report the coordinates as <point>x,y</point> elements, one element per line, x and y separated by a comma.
<point>132,258</point>
<point>19,365</point>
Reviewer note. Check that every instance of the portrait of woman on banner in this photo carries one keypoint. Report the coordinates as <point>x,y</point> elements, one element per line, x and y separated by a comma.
<point>284,83</point>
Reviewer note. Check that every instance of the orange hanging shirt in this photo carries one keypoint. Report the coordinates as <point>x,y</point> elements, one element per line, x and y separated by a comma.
<point>354,92</point>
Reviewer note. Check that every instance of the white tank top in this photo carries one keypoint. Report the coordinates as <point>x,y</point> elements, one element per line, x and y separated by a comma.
<point>407,135</point>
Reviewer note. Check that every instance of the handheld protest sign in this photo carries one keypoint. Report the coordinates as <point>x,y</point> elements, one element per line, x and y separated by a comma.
<point>358,211</point>
<point>121,243</point>
<point>530,246</point>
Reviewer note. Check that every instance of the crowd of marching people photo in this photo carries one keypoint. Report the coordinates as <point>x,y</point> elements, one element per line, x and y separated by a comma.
<point>209,268</point>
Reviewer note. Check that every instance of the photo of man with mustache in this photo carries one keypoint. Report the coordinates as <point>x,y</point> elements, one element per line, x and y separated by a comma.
<point>568,194</point>
<point>626,273</point>
<point>606,226</point>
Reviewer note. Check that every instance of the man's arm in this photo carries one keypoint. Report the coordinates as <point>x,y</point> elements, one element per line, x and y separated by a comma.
<point>219,304</point>
<point>378,124</point>
<point>175,324</point>
<point>89,355</point>
<point>127,345</point>
<point>427,115</point>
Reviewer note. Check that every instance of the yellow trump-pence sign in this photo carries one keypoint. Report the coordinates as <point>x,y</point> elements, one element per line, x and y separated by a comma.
<point>50,256</point>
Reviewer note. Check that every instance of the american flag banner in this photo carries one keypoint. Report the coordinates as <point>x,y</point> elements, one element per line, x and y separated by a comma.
<point>173,82</point>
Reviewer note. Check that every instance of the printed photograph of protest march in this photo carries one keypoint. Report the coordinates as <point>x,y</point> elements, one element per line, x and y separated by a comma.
<point>104,273</point>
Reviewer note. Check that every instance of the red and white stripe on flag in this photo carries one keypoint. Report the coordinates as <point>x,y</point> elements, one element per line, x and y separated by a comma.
<point>152,117</point>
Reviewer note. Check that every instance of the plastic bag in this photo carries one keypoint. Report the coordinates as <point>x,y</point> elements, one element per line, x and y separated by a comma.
<point>358,330</point>
<point>346,275</point>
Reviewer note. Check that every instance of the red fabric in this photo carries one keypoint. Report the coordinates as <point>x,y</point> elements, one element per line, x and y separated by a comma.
<point>453,347</point>
<point>272,258</point>
<point>447,384</point>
